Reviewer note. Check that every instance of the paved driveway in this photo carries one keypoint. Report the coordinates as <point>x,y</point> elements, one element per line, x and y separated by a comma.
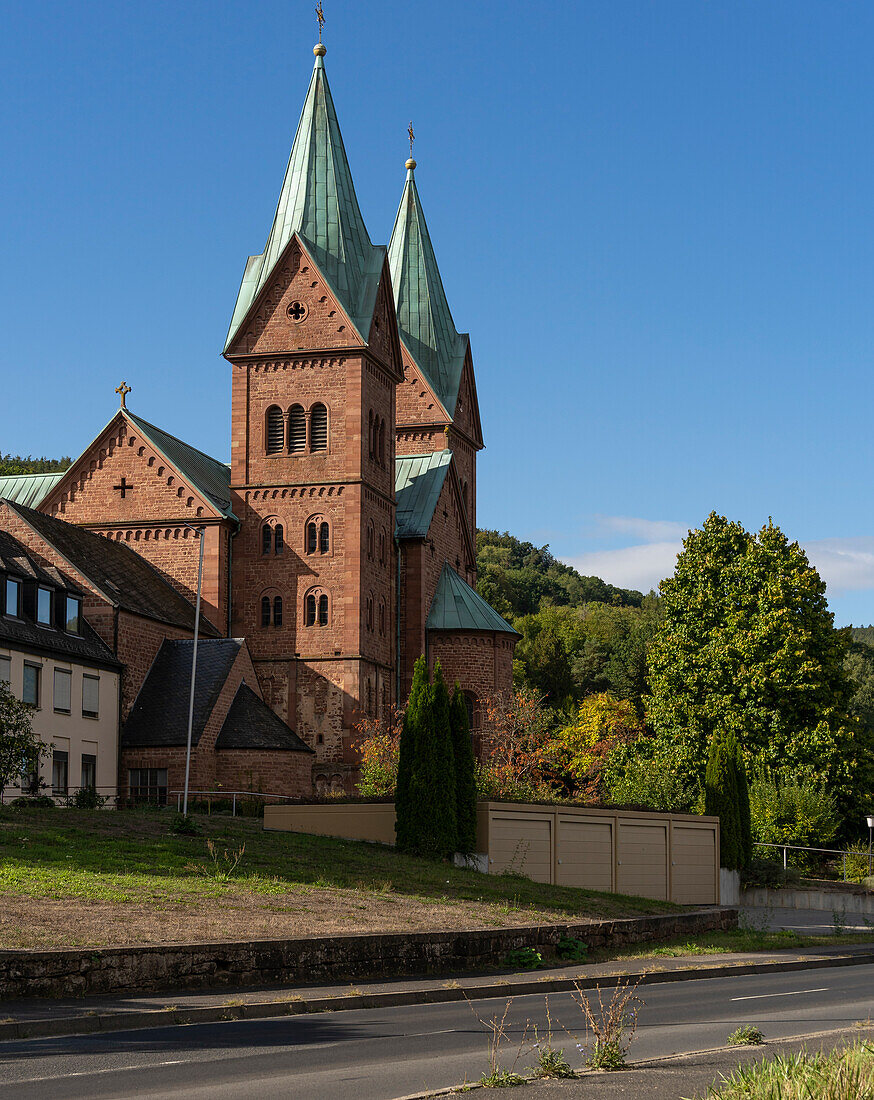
<point>811,922</point>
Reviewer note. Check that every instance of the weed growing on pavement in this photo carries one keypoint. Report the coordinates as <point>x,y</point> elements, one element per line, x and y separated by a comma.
<point>551,1061</point>
<point>224,862</point>
<point>746,1035</point>
<point>839,921</point>
<point>610,1026</point>
<point>571,949</point>
<point>498,1032</point>
<point>524,958</point>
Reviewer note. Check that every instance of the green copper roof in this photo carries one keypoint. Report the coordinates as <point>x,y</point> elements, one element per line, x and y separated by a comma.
<point>457,606</point>
<point>418,481</point>
<point>424,320</point>
<point>29,489</point>
<point>318,202</point>
<point>207,475</point>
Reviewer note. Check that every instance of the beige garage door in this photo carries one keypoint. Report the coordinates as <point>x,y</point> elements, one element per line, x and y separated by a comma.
<point>643,860</point>
<point>693,865</point>
<point>585,853</point>
<point>521,843</point>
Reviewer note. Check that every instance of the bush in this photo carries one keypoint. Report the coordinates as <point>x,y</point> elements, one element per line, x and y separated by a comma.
<point>655,782</point>
<point>86,798</point>
<point>856,861</point>
<point>33,802</point>
<point>792,810</point>
<point>770,873</point>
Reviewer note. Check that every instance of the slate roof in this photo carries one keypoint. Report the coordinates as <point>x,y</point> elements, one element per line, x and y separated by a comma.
<point>159,715</point>
<point>318,202</point>
<point>457,606</point>
<point>418,481</point>
<point>424,318</point>
<point>251,724</point>
<point>29,489</point>
<point>207,475</point>
<point>22,633</point>
<point>124,577</point>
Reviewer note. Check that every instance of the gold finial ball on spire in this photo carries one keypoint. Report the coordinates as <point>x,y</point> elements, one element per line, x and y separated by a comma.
<point>319,50</point>
<point>410,164</point>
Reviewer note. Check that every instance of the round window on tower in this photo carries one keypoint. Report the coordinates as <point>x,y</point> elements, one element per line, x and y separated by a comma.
<point>297,311</point>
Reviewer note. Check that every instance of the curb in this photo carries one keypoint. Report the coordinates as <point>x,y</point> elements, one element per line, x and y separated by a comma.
<point>295,1005</point>
<point>644,1063</point>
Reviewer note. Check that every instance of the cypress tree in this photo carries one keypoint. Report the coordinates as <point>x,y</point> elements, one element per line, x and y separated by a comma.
<point>465,775</point>
<point>743,806</point>
<point>417,704</point>
<point>432,786</point>
<point>721,798</point>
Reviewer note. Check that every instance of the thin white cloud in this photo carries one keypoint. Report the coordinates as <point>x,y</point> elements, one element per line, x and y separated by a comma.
<point>650,530</point>
<point>641,567</point>
<point>846,565</point>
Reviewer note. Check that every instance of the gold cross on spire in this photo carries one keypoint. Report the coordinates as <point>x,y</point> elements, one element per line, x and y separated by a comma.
<point>412,138</point>
<point>320,15</point>
<point>123,390</point>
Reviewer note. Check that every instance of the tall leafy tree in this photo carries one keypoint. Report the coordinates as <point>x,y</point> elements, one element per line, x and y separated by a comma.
<point>20,748</point>
<point>747,644</point>
<point>465,774</point>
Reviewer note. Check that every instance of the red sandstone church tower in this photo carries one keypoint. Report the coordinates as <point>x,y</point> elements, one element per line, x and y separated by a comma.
<point>316,360</point>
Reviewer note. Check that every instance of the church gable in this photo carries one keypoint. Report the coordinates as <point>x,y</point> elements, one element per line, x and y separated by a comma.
<point>124,479</point>
<point>449,532</point>
<point>466,417</point>
<point>418,403</point>
<point>383,338</point>
<point>296,310</point>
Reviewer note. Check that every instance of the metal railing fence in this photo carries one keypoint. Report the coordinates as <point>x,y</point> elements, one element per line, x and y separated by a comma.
<point>786,848</point>
<point>223,796</point>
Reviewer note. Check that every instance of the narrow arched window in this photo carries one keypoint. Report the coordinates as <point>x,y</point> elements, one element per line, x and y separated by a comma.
<point>370,541</point>
<point>310,613</point>
<point>369,613</point>
<point>324,538</point>
<point>265,611</point>
<point>323,610</point>
<point>382,547</point>
<point>277,611</point>
<point>382,618</point>
<point>278,539</point>
<point>311,538</point>
<point>275,430</point>
<point>319,427</point>
<point>297,430</point>
<point>266,538</point>
<point>382,443</point>
<point>370,429</point>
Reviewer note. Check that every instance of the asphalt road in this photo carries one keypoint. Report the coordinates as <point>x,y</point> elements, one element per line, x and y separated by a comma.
<point>382,1054</point>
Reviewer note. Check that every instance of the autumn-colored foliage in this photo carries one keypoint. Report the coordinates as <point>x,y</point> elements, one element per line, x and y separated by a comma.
<point>581,749</point>
<point>379,744</point>
<point>515,737</point>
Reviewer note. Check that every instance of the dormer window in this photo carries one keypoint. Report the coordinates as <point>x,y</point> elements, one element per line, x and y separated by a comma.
<point>74,615</point>
<point>44,606</point>
<point>12,604</point>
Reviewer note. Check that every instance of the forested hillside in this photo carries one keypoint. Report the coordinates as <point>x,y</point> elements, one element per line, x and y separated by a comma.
<point>17,464</point>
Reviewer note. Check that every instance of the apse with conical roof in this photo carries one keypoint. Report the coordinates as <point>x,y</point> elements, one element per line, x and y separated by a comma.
<point>424,318</point>
<point>318,203</point>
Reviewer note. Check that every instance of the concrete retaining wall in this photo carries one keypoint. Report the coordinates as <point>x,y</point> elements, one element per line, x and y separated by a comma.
<point>317,959</point>
<point>827,900</point>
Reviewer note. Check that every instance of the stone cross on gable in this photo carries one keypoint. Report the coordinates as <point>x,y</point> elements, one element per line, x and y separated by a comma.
<point>123,390</point>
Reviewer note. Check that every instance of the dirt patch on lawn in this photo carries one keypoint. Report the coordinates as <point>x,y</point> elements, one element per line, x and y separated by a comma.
<point>242,915</point>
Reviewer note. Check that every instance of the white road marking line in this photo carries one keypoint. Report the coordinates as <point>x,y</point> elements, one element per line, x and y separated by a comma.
<point>794,993</point>
<point>94,1072</point>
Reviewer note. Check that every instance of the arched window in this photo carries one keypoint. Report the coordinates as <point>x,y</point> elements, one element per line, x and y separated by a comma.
<point>369,541</point>
<point>382,443</point>
<point>275,430</point>
<point>310,612</point>
<point>297,430</point>
<point>368,613</point>
<point>316,608</point>
<point>311,537</point>
<point>382,547</point>
<point>277,611</point>
<point>266,538</point>
<point>278,539</point>
<point>324,537</point>
<point>319,427</point>
<point>370,432</point>
<point>323,610</point>
<point>470,704</point>
<point>382,618</point>
<point>265,611</point>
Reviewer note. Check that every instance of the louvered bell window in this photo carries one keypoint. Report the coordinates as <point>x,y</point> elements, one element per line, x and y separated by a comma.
<point>311,538</point>
<point>324,538</point>
<point>323,610</point>
<point>319,428</point>
<point>297,430</point>
<point>275,430</point>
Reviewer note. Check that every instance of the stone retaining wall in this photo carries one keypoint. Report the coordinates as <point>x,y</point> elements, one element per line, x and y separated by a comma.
<point>316,959</point>
<point>841,901</point>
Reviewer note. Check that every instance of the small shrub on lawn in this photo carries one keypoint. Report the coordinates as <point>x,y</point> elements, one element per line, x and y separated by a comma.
<point>224,862</point>
<point>524,958</point>
<point>747,1035</point>
<point>185,825</point>
<point>86,798</point>
<point>33,802</point>
<point>571,949</point>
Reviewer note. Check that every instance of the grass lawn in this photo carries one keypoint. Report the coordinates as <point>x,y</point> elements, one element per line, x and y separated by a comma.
<point>846,1074</point>
<point>738,940</point>
<point>90,878</point>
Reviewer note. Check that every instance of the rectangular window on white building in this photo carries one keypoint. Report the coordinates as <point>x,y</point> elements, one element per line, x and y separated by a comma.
<point>63,690</point>
<point>6,670</point>
<point>90,696</point>
<point>60,766</point>
<point>30,687</point>
<point>89,771</point>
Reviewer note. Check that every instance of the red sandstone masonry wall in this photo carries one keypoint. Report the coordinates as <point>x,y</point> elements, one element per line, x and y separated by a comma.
<point>139,640</point>
<point>270,772</point>
<point>481,663</point>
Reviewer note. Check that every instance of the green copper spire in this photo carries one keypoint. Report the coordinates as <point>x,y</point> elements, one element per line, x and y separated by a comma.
<point>318,202</point>
<point>424,320</point>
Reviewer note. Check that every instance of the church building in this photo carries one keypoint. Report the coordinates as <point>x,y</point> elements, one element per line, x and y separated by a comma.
<point>339,543</point>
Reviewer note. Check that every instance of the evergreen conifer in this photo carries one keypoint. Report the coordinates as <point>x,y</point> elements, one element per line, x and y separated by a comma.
<point>722,798</point>
<point>465,775</point>
<point>417,704</point>
<point>432,786</point>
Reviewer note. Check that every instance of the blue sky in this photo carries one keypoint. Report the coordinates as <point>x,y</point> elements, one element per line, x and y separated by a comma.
<point>654,218</point>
